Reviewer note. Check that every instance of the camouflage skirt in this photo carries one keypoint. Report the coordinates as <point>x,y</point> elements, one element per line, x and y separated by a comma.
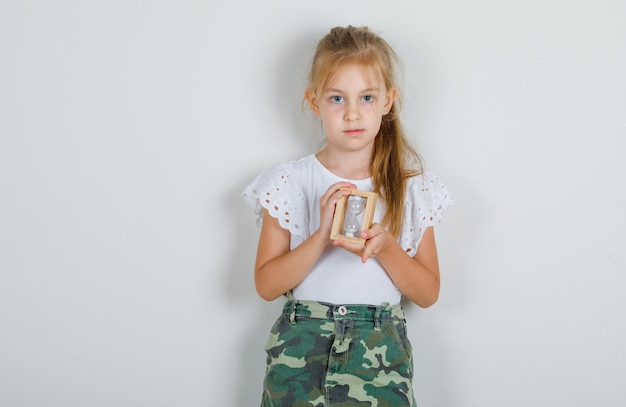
<point>325,355</point>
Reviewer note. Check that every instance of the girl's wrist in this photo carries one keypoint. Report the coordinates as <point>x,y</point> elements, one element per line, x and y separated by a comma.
<point>388,246</point>
<point>320,238</point>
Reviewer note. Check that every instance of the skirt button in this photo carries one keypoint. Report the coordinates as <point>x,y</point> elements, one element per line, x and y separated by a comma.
<point>342,310</point>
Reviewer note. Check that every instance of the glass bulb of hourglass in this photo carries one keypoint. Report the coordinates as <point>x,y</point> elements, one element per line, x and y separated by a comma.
<point>355,207</point>
<point>350,226</point>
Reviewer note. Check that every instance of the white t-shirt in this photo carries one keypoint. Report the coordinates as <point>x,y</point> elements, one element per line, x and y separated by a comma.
<point>291,191</point>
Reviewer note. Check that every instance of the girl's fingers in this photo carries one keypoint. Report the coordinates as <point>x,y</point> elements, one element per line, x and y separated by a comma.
<point>374,230</point>
<point>336,191</point>
<point>329,200</point>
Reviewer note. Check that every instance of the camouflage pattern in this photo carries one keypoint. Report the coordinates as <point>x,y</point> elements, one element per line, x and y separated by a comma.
<point>323,355</point>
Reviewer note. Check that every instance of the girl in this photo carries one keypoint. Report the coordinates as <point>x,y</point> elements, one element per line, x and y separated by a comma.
<point>341,339</point>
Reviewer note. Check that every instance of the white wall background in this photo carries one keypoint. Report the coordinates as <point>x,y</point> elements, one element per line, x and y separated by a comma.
<point>128,130</point>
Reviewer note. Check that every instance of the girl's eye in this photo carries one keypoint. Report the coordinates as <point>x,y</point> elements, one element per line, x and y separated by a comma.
<point>336,99</point>
<point>367,98</point>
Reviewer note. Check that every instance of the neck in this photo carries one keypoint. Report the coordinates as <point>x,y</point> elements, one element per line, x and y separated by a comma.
<point>347,165</point>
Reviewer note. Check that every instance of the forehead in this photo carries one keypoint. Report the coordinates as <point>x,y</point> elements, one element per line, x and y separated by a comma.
<point>356,75</point>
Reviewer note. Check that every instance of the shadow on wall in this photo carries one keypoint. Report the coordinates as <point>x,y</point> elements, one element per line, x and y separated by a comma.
<point>241,295</point>
<point>290,79</point>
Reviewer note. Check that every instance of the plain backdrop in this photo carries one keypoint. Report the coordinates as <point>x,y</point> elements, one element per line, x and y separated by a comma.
<point>128,130</point>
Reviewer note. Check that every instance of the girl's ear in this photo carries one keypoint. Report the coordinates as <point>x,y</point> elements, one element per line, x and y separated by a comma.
<point>312,100</point>
<point>391,96</point>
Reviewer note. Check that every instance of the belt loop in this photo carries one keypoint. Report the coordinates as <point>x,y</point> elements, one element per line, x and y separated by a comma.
<point>379,309</point>
<point>292,311</point>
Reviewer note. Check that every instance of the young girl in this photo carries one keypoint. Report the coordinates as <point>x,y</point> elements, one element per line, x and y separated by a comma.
<point>341,339</point>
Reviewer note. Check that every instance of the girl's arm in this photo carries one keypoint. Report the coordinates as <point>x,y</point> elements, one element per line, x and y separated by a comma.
<point>278,269</point>
<point>416,277</point>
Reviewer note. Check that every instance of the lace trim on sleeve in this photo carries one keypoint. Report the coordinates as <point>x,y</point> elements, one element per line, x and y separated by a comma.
<point>427,201</point>
<point>277,191</point>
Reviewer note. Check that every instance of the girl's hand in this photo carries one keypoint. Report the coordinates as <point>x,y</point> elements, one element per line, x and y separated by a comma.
<point>376,238</point>
<point>328,201</point>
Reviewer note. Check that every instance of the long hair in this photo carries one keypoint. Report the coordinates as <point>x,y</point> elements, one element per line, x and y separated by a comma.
<point>393,159</point>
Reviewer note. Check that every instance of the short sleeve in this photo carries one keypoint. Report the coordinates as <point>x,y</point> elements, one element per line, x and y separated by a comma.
<point>427,201</point>
<point>277,189</point>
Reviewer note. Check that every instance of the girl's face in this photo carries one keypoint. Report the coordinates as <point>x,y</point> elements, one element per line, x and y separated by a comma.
<point>352,107</point>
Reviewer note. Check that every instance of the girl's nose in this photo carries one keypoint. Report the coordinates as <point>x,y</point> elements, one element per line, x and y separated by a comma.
<point>351,112</point>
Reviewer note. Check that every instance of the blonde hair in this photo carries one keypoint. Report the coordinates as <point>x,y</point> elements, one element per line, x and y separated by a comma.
<point>394,160</point>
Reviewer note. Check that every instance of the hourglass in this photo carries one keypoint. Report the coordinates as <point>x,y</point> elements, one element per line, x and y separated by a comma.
<point>355,207</point>
<point>353,213</point>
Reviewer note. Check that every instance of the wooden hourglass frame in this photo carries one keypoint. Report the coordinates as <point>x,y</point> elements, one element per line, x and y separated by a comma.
<point>341,210</point>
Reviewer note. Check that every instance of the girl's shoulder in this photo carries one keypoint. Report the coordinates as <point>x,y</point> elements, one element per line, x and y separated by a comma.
<point>283,170</point>
<point>279,190</point>
<point>427,184</point>
<point>427,193</point>
<point>427,199</point>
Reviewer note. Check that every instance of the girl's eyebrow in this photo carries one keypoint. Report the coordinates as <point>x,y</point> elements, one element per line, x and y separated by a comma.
<point>362,91</point>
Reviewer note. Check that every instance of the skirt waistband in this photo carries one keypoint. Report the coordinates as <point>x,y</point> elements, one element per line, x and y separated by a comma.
<point>362,312</point>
